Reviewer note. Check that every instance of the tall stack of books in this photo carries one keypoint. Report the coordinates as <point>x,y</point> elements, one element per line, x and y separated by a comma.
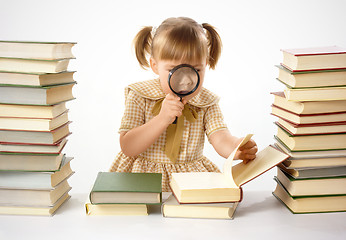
<point>121,193</point>
<point>34,126</point>
<point>311,128</point>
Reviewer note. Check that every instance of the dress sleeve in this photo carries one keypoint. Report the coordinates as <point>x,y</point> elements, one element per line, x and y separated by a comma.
<point>213,120</point>
<point>134,111</point>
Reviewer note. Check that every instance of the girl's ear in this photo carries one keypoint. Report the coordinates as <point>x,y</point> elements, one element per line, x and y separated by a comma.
<point>153,66</point>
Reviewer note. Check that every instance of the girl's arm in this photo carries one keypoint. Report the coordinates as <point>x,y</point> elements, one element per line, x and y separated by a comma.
<point>224,144</point>
<point>139,139</point>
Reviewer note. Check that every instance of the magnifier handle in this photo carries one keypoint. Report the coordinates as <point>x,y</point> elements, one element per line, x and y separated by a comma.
<point>176,118</point>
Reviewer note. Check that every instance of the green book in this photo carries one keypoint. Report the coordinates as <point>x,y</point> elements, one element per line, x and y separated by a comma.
<point>118,187</point>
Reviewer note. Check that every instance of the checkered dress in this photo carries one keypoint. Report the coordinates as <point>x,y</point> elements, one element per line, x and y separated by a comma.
<point>139,101</point>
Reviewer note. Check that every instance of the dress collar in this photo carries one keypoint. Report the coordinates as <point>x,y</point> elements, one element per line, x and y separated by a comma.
<point>151,89</point>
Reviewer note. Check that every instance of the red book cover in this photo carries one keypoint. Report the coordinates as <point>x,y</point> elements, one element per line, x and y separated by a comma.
<point>315,51</point>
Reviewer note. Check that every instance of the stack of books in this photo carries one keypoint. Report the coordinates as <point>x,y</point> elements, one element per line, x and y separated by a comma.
<point>311,128</point>
<point>217,195</point>
<point>34,126</point>
<point>119,193</point>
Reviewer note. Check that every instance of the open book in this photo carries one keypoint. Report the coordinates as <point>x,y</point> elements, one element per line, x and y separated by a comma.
<point>212,187</point>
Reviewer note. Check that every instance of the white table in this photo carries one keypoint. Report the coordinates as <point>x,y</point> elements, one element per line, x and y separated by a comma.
<point>259,216</point>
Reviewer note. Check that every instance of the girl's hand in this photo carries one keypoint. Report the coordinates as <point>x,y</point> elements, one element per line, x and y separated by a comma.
<point>171,108</point>
<point>247,152</point>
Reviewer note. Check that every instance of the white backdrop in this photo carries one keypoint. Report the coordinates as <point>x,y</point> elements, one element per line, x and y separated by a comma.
<point>253,32</point>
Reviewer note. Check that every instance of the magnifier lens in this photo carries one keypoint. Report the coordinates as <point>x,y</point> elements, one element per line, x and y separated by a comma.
<point>183,80</point>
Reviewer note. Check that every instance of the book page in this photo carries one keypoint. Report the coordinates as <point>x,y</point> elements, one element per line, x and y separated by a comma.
<point>227,166</point>
<point>265,160</point>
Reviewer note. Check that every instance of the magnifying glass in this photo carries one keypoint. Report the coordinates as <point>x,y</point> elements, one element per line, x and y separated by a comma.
<point>183,80</point>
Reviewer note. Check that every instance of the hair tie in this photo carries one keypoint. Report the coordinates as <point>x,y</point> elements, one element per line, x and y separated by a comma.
<point>153,31</point>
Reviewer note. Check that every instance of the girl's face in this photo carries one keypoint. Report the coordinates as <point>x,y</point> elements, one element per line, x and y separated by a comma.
<point>162,68</point>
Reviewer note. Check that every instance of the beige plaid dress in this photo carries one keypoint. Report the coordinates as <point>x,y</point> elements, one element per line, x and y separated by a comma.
<point>139,101</point>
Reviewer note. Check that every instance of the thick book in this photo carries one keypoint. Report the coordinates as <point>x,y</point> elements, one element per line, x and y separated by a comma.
<point>317,162</point>
<point>22,136</point>
<point>120,209</point>
<point>36,180</point>
<point>30,162</point>
<point>212,187</point>
<point>24,65</point>
<point>34,210</point>
<point>36,50</point>
<point>122,187</point>
<point>325,78</point>
<point>32,111</point>
<point>21,148</point>
<point>312,142</point>
<point>33,197</point>
<point>172,208</point>
<point>36,95</point>
<point>307,154</point>
<point>311,129</point>
<point>36,79</point>
<point>314,172</point>
<point>314,58</point>
<point>310,204</point>
<point>33,124</point>
<point>316,94</point>
<point>312,186</point>
<point>314,107</point>
<point>339,117</point>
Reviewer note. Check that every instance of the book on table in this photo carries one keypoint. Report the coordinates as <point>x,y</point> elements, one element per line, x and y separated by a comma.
<point>312,107</point>
<point>305,79</point>
<point>116,209</point>
<point>312,142</point>
<point>36,79</point>
<point>172,208</point>
<point>212,187</point>
<point>23,136</point>
<point>36,50</point>
<point>315,58</point>
<point>36,95</point>
<point>34,210</point>
<point>310,204</point>
<point>35,179</point>
<point>123,187</point>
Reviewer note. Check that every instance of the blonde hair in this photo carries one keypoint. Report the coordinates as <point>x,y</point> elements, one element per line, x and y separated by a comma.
<point>178,39</point>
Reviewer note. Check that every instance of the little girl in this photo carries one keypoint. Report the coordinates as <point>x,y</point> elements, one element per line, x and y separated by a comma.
<point>149,140</point>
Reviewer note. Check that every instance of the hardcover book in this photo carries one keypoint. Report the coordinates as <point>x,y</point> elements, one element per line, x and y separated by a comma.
<point>211,187</point>
<point>310,204</point>
<point>304,108</point>
<point>120,187</point>
<point>325,78</point>
<point>316,58</point>
<point>36,50</point>
<point>171,208</point>
<point>33,95</point>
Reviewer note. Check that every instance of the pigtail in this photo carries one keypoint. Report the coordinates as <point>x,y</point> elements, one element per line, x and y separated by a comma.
<point>214,45</point>
<point>142,44</point>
